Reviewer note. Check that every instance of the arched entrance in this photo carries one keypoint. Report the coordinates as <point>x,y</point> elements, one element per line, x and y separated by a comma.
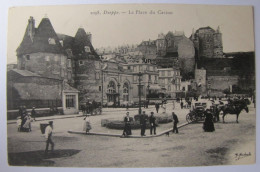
<point>126,92</point>
<point>111,93</point>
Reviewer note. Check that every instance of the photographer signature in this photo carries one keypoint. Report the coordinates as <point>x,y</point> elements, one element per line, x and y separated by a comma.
<point>239,156</point>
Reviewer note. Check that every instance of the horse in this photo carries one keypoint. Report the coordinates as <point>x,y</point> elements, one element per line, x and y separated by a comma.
<point>234,108</point>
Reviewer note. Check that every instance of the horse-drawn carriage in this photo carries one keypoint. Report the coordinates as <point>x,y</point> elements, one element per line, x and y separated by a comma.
<point>230,107</point>
<point>93,108</point>
<point>197,114</point>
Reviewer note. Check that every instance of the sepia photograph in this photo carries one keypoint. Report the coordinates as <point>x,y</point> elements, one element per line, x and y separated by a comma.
<point>131,85</point>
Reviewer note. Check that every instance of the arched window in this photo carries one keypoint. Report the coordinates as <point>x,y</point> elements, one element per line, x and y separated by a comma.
<point>111,88</point>
<point>125,92</point>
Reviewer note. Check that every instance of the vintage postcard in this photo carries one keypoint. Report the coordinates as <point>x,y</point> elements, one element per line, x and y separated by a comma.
<point>131,85</point>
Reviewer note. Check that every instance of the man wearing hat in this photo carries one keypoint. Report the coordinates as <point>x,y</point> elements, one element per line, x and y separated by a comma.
<point>143,119</point>
<point>48,136</point>
<point>33,113</point>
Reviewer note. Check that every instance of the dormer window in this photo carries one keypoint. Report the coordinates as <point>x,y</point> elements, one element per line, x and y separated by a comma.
<point>87,49</point>
<point>51,41</point>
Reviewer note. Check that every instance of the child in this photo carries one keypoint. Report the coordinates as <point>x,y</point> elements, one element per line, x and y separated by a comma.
<point>19,123</point>
<point>87,126</point>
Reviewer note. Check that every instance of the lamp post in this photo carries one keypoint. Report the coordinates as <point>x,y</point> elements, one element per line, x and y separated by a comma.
<point>139,91</point>
<point>148,87</point>
<point>118,85</point>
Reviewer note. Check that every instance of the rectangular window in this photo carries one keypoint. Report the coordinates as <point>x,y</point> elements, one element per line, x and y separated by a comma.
<point>69,75</point>
<point>70,101</point>
<point>169,73</point>
<point>135,78</point>
<point>69,63</point>
<point>162,81</point>
<point>97,75</point>
<point>80,62</point>
<point>163,73</point>
<point>100,88</point>
<point>62,60</point>
<point>169,88</point>
<point>27,57</point>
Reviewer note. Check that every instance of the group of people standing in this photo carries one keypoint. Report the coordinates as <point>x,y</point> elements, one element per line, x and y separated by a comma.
<point>143,122</point>
<point>24,119</point>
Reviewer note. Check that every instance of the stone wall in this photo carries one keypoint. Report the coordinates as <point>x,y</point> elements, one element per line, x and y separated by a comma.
<point>44,64</point>
<point>33,91</point>
<point>222,82</point>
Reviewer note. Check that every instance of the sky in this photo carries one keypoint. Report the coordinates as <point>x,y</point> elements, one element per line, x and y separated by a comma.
<point>114,25</point>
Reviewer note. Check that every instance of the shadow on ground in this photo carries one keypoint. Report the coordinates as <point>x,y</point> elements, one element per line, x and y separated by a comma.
<point>37,158</point>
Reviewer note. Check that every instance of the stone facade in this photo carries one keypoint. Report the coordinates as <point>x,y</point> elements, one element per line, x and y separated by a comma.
<point>170,81</point>
<point>45,64</point>
<point>200,79</point>
<point>208,43</point>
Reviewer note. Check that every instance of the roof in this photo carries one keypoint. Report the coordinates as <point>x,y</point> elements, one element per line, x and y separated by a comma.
<point>24,72</point>
<point>81,41</point>
<point>44,40</point>
<point>68,89</point>
<point>67,40</point>
<point>204,28</point>
<point>35,91</point>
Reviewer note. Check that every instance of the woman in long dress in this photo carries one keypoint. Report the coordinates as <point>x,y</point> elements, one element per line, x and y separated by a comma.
<point>87,125</point>
<point>27,124</point>
<point>208,124</point>
<point>127,128</point>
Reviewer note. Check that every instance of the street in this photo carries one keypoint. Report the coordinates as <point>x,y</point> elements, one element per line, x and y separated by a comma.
<point>191,147</point>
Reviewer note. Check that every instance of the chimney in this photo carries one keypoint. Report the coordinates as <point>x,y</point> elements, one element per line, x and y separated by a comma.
<point>31,28</point>
<point>218,30</point>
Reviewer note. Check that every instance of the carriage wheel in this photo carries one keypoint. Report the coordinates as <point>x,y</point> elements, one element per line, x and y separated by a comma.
<point>189,118</point>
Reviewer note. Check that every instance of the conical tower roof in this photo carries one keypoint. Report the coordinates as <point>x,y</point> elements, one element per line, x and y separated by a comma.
<point>81,41</point>
<point>44,40</point>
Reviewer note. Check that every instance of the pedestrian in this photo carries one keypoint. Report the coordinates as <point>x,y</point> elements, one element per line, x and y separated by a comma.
<point>173,105</point>
<point>181,105</point>
<point>127,129</point>
<point>18,123</point>
<point>157,107</point>
<point>48,137</point>
<point>143,119</point>
<point>152,120</point>
<point>175,122</point>
<point>23,114</point>
<point>87,125</point>
<point>27,125</point>
<point>208,125</point>
<point>33,113</point>
<point>164,108</point>
<point>87,107</point>
<point>127,107</point>
<point>20,111</point>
